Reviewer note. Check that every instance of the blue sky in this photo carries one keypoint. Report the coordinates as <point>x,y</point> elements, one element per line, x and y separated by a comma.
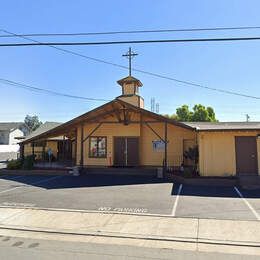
<point>232,66</point>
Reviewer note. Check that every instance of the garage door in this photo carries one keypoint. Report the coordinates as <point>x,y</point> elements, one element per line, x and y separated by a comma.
<point>246,155</point>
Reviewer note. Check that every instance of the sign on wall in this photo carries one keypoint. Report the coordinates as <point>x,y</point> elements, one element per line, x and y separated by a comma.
<point>158,145</point>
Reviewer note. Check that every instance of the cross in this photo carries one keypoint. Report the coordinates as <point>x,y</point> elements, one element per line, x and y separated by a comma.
<point>130,56</point>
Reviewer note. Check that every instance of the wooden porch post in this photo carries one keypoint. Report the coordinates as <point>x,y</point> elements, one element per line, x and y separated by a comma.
<point>64,148</point>
<point>22,151</point>
<point>165,147</point>
<point>82,145</point>
<point>76,146</point>
<point>43,150</point>
<point>33,153</point>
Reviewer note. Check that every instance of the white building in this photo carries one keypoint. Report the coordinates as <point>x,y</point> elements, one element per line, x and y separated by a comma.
<point>9,131</point>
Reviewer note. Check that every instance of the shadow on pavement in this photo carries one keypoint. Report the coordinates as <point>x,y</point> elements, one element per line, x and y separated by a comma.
<point>214,191</point>
<point>63,182</point>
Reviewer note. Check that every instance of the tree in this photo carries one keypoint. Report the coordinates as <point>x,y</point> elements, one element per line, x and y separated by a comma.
<point>199,113</point>
<point>32,122</point>
<point>203,114</point>
<point>183,113</point>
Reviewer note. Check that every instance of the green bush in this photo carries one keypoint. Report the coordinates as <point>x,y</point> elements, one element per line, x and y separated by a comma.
<point>28,162</point>
<point>14,164</point>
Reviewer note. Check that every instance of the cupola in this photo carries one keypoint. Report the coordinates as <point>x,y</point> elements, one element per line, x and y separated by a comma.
<point>130,85</point>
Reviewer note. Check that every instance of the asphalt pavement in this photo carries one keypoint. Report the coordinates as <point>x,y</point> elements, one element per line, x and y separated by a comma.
<point>129,194</point>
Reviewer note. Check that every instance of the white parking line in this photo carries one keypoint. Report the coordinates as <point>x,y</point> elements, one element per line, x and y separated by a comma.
<point>34,183</point>
<point>247,203</point>
<point>176,201</point>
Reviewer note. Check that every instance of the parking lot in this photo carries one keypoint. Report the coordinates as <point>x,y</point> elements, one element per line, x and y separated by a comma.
<point>131,194</point>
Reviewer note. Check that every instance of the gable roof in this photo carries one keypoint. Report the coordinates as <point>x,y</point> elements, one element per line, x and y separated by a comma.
<point>8,126</point>
<point>223,126</point>
<point>47,126</point>
<point>109,107</point>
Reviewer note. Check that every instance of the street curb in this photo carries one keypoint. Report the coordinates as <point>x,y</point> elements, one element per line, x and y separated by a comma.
<point>119,235</point>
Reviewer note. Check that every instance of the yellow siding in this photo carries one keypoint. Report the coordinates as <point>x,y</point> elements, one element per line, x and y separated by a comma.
<point>148,157</point>
<point>38,150</point>
<point>176,135</point>
<point>217,152</point>
<point>110,131</point>
<point>53,145</point>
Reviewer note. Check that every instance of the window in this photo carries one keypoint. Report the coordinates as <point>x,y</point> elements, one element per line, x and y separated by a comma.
<point>98,147</point>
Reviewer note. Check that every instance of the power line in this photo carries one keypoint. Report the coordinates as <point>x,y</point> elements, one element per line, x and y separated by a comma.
<point>129,42</point>
<point>46,91</point>
<point>188,83</point>
<point>133,31</point>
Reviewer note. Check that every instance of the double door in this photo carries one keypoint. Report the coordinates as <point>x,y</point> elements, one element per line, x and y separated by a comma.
<point>126,151</point>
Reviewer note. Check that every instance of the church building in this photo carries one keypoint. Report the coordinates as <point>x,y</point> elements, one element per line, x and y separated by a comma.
<point>122,133</point>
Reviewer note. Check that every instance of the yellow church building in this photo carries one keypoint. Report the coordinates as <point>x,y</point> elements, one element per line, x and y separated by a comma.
<point>121,133</point>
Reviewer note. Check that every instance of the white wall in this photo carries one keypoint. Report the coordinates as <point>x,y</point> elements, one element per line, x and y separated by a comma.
<point>9,148</point>
<point>13,134</point>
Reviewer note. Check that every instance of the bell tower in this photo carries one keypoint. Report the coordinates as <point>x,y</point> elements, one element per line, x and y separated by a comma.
<point>130,85</point>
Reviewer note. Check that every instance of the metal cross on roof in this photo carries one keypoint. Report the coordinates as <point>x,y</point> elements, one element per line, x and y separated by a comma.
<point>129,55</point>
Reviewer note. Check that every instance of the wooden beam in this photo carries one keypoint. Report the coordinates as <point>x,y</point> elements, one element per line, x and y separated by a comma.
<point>22,151</point>
<point>33,149</point>
<point>117,113</point>
<point>154,132</point>
<point>82,145</point>
<point>92,132</point>
<point>43,150</point>
<point>76,146</point>
<point>116,122</point>
<point>165,146</point>
<point>125,117</point>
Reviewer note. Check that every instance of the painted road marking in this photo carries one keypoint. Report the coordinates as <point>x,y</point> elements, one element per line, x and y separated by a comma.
<point>17,204</point>
<point>125,210</point>
<point>176,201</point>
<point>37,182</point>
<point>247,203</point>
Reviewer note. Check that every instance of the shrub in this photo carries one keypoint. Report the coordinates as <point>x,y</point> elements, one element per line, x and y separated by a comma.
<point>14,164</point>
<point>28,162</point>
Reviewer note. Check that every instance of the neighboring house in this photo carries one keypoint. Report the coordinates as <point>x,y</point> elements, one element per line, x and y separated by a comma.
<point>10,130</point>
<point>122,133</point>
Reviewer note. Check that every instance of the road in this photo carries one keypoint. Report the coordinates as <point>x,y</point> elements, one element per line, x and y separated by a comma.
<point>41,249</point>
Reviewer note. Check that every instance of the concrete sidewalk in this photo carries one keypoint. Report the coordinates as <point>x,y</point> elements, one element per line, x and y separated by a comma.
<point>131,229</point>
